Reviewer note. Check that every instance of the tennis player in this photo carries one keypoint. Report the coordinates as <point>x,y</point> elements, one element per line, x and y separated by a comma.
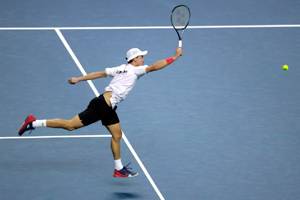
<point>104,106</point>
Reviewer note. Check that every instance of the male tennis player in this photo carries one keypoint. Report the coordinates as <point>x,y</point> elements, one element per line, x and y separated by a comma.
<point>104,106</point>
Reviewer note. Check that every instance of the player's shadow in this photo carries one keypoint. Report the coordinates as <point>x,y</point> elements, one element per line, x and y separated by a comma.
<point>125,195</point>
<point>121,190</point>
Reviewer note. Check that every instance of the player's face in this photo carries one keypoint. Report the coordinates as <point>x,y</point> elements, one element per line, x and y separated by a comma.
<point>139,60</point>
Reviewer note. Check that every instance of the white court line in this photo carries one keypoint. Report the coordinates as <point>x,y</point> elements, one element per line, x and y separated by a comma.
<point>67,46</point>
<point>143,168</point>
<point>148,27</point>
<point>54,137</point>
<point>78,64</point>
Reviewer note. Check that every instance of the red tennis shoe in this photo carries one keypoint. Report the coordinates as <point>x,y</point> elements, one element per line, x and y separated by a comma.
<point>125,172</point>
<point>27,125</point>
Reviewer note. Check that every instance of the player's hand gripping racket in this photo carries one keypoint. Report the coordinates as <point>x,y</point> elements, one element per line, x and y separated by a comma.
<point>180,18</point>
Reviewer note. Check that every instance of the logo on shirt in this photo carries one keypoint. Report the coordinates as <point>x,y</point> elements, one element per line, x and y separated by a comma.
<point>121,71</point>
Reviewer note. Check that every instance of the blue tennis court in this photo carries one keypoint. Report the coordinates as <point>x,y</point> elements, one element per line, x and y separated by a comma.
<point>222,122</point>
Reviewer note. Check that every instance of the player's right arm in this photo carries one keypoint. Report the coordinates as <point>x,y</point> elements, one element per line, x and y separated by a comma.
<point>89,76</point>
<point>158,65</point>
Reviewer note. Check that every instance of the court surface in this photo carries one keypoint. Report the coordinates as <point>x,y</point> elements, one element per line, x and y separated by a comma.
<point>221,123</point>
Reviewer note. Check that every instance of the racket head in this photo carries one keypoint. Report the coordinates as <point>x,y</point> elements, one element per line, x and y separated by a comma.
<point>180,17</point>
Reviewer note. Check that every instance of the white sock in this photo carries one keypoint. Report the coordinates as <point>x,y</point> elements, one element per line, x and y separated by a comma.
<point>39,123</point>
<point>118,164</point>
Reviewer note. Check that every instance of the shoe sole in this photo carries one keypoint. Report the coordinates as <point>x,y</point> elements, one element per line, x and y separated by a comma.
<point>130,176</point>
<point>22,130</point>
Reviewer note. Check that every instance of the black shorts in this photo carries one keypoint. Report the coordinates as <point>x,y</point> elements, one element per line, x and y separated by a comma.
<point>99,110</point>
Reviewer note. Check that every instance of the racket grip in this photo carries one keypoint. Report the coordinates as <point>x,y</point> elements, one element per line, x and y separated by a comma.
<point>180,43</point>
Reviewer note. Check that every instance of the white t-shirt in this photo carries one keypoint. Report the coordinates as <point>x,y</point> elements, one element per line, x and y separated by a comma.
<point>124,79</point>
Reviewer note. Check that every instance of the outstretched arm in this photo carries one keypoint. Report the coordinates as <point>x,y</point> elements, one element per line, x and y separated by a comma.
<point>158,65</point>
<point>89,76</point>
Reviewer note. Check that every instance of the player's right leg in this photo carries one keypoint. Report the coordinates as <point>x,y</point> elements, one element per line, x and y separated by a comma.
<point>31,123</point>
<point>120,170</point>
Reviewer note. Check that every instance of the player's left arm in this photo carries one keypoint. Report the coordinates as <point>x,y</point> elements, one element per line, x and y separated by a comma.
<point>89,76</point>
<point>158,65</point>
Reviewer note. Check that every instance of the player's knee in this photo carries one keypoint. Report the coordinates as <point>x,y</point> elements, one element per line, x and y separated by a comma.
<point>117,137</point>
<point>70,126</point>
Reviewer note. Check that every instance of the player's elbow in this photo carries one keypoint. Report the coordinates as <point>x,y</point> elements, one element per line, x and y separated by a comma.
<point>155,67</point>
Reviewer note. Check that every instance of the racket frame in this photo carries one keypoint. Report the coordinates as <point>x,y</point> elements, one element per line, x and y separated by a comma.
<point>182,29</point>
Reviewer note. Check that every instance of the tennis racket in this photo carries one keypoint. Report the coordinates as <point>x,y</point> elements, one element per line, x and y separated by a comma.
<point>180,18</point>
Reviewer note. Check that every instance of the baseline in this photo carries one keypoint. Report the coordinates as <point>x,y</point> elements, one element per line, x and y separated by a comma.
<point>149,27</point>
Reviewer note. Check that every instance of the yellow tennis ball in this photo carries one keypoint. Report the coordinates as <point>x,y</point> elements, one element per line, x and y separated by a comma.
<point>285,67</point>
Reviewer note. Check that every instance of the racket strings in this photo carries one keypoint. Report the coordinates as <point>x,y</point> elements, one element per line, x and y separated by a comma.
<point>180,17</point>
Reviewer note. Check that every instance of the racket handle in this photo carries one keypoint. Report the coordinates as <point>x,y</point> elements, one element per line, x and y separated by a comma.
<point>180,43</point>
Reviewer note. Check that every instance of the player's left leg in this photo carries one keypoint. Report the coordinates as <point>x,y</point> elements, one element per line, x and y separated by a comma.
<point>90,115</point>
<point>67,124</point>
<point>31,123</point>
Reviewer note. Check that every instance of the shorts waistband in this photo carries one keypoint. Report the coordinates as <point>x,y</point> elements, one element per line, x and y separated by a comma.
<point>101,98</point>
